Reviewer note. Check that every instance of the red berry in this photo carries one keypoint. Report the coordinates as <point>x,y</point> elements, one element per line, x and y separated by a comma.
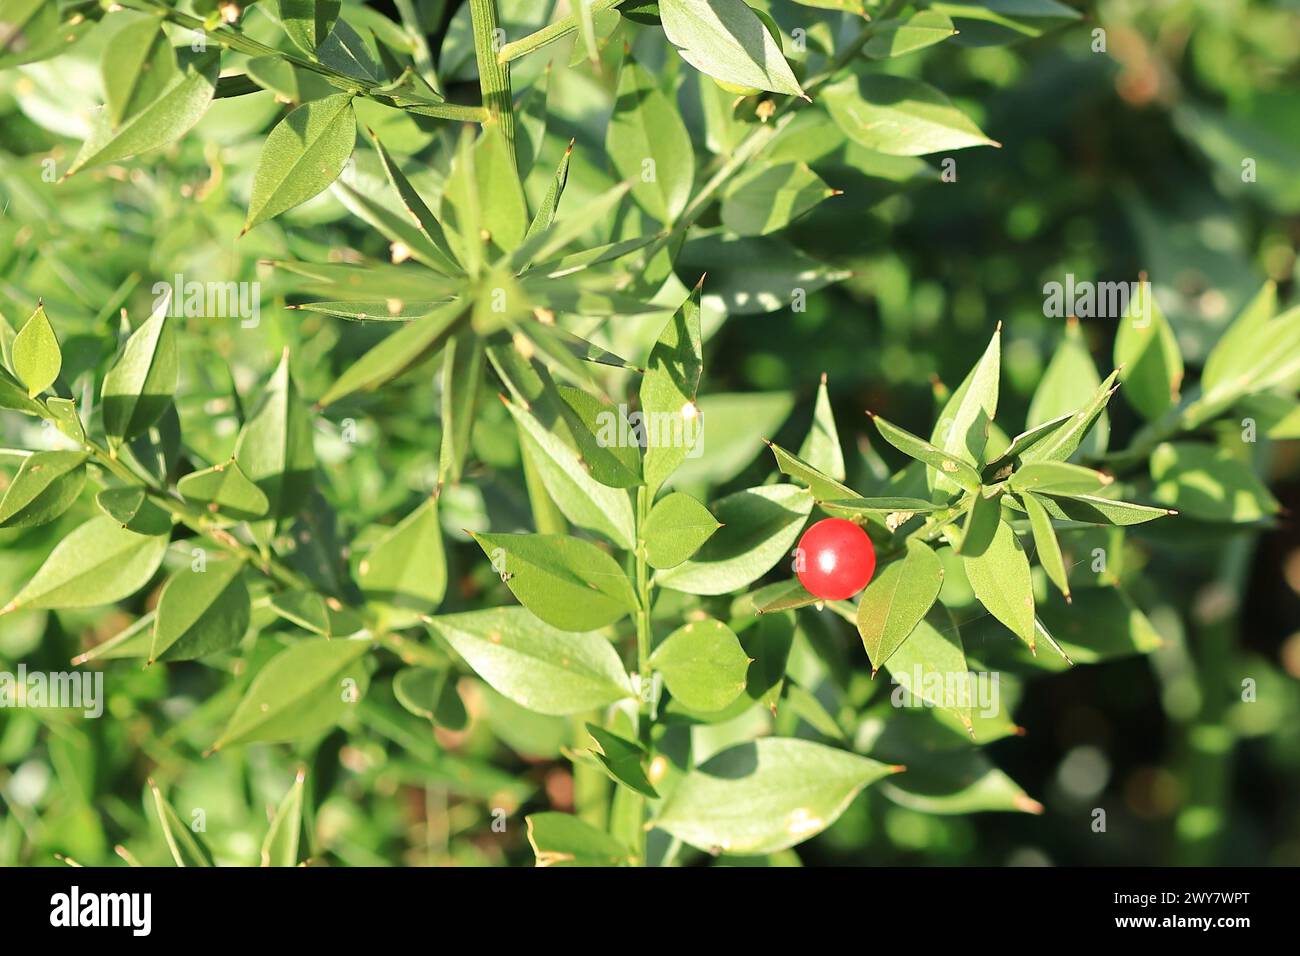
<point>836,559</point>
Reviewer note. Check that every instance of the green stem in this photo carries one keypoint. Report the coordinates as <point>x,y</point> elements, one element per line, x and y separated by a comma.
<point>549,34</point>
<point>493,75</point>
<point>643,638</point>
<point>421,54</point>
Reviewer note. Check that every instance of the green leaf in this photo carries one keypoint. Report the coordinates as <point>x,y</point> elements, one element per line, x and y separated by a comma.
<point>1001,21</point>
<point>956,468</point>
<point>609,447</point>
<point>431,693</point>
<point>931,666</point>
<point>898,37</point>
<point>759,526</point>
<point>131,507</point>
<point>1146,352</point>
<point>99,563</point>
<point>316,613</point>
<point>1000,577</point>
<point>981,522</point>
<point>1102,624</point>
<point>1240,346</point>
<point>1097,510</point>
<point>201,612</point>
<point>424,220</point>
<point>138,388</point>
<point>280,846</point>
<point>35,353</point>
<point>1069,384</point>
<point>274,448</point>
<point>165,120</point>
<point>1209,483</point>
<point>1062,443</point>
<point>703,665</point>
<point>303,154</point>
<point>899,116</point>
<point>1057,478</point>
<point>891,512</point>
<point>533,664</point>
<point>1046,544</point>
<point>134,640</point>
<point>823,487</point>
<point>648,144</point>
<point>399,352</point>
<point>225,490</point>
<point>670,417</point>
<point>1027,439</point>
<point>46,485</point>
<point>766,199</point>
<point>567,582</point>
<point>963,426</point>
<point>13,396</point>
<point>138,65</point>
<point>677,527</point>
<point>405,573</point>
<point>726,40</point>
<point>767,795</point>
<point>623,760</point>
<point>308,22</point>
<point>821,448</point>
<point>63,412</point>
<point>897,600</point>
<point>583,500</point>
<point>561,839</point>
<point>187,849</point>
<point>462,381</point>
<point>301,692</point>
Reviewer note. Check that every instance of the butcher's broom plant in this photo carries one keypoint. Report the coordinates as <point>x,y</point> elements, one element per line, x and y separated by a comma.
<point>660,642</point>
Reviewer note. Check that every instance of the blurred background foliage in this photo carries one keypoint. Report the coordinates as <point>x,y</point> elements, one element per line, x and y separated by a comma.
<point>1112,162</point>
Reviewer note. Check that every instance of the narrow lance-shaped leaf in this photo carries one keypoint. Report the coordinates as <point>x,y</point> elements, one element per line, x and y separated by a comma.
<point>305,152</point>
<point>821,448</point>
<point>670,417</point>
<point>961,471</point>
<point>186,847</point>
<point>1069,384</point>
<point>931,666</point>
<point>1046,544</point>
<point>963,426</point>
<point>280,847</point>
<point>399,352</point>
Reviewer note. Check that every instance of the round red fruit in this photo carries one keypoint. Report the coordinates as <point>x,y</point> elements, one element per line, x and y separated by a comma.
<point>836,559</point>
